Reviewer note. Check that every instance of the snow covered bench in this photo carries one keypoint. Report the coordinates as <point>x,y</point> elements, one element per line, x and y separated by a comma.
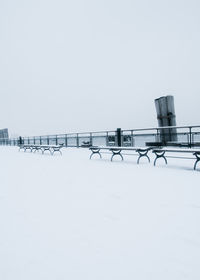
<point>56,148</point>
<point>51,148</point>
<point>160,153</point>
<point>142,152</point>
<point>30,147</point>
<point>25,147</point>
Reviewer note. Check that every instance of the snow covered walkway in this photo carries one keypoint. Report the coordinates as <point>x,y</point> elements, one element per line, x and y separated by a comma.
<point>68,217</point>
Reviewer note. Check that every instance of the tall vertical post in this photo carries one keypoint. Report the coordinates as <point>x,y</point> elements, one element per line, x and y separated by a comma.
<point>119,137</point>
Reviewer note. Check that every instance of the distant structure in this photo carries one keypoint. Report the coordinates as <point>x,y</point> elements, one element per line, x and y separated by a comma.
<point>166,117</point>
<point>4,134</point>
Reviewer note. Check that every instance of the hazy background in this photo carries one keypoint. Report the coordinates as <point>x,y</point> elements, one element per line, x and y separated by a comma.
<point>68,66</point>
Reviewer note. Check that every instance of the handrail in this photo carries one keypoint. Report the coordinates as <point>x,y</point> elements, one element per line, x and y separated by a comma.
<point>109,135</point>
<point>113,131</point>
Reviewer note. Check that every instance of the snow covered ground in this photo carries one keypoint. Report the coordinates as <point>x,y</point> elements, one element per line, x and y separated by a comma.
<point>68,217</point>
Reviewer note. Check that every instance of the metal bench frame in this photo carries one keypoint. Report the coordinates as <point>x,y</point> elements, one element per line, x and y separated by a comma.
<point>117,151</point>
<point>33,148</point>
<point>160,153</point>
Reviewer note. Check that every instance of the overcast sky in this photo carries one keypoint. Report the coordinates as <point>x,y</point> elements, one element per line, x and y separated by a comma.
<point>69,66</point>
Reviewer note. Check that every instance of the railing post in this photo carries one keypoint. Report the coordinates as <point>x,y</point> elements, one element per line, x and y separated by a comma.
<point>157,136</point>
<point>190,137</point>
<point>193,138</point>
<point>132,140</point>
<point>47,140</point>
<point>40,140</point>
<point>77,141</point>
<point>56,140</point>
<point>66,140</point>
<point>107,138</point>
<point>91,139</point>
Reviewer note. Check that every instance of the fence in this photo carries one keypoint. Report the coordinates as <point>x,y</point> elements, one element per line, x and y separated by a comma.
<point>186,135</point>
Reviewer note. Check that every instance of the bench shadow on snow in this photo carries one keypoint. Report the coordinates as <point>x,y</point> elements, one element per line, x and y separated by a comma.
<point>177,167</point>
<point>145,162</point>
<point>118,160</point>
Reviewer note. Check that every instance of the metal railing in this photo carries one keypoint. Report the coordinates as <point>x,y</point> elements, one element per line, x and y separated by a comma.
<point>183,135</point>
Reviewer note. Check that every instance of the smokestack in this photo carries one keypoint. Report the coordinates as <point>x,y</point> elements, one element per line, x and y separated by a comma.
<point>166,117</point>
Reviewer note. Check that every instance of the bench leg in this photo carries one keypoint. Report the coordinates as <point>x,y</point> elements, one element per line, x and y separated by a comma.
<point>95,151</point>
<point>46,150</point>
<point>197,160</point>
<point>55,150</point>
<point>116,153</point>
<point>160,155</point>
<point>38,149</point>
<point>25,149</point>
<point>142,154</point>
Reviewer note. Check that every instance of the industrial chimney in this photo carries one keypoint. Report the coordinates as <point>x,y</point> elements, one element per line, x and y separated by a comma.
<point>166,117</point>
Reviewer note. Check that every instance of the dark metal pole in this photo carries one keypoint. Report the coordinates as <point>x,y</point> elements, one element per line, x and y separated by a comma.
<point>119,137</point>
<point>190,137</point>
<point>91,139</point>
<point>66,140</point>
<point>107,138</point>
<point>77,141</point>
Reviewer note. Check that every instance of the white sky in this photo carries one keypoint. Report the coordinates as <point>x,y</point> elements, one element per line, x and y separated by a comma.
<point>68,66</point>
